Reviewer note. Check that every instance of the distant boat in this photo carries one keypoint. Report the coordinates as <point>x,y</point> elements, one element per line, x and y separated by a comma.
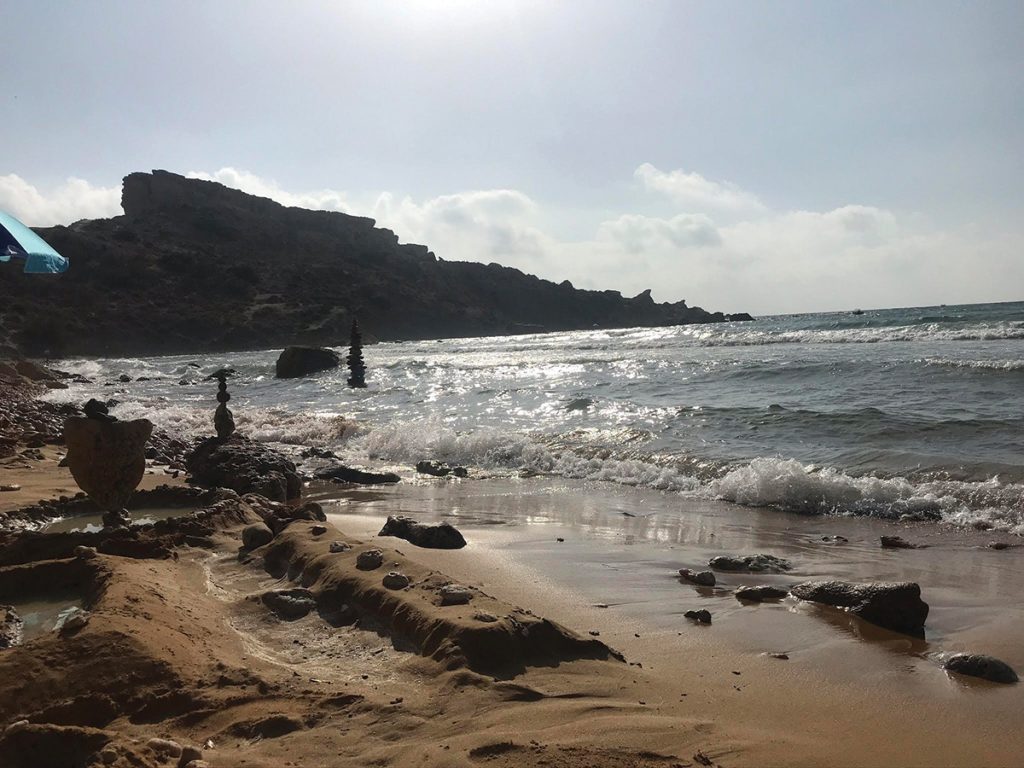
<point>857,312</point>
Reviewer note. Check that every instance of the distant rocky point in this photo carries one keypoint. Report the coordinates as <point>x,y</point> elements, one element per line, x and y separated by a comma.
<point>194,266</point>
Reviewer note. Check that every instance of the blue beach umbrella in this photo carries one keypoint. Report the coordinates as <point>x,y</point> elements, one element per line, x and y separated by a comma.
<point>19,242</point>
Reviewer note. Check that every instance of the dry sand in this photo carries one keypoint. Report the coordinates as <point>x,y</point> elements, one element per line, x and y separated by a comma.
<point>183,648</point>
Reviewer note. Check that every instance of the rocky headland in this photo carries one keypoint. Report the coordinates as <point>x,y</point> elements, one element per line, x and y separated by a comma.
<point>194,266</point>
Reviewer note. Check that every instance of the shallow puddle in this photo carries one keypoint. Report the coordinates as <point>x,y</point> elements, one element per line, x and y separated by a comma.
<point>94,522</point>
<point>45,614</point>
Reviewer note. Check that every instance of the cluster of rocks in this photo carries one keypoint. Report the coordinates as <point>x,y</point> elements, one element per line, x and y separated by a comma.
<point>440,469</point>
<point>896,606</point>
<point>245,466</point>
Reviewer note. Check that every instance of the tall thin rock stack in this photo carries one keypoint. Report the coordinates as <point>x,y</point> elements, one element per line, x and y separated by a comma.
<point>356,367</point>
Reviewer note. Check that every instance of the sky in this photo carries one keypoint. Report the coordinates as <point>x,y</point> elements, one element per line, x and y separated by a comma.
<point>744,156</point>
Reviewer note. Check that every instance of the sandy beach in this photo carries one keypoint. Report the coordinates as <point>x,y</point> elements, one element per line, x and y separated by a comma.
<point>600,561</point>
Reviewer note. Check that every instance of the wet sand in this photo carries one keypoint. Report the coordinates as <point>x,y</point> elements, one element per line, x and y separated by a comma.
<point>849,694</point>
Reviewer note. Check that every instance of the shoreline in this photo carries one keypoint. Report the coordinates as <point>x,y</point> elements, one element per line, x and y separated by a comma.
<point>601,560</point>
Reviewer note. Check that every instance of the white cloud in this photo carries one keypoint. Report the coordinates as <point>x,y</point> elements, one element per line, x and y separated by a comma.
<point>694,193</point>
<point>73,200</point>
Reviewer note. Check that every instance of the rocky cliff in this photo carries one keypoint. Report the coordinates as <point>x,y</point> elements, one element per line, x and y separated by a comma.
<point>195,266</point>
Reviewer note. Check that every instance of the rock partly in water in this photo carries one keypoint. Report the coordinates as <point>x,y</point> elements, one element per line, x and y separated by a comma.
<point>245,466</point>
<point>979,665</point>
<point>107,458</point>
<point>898,542</point>
<point>342,474</point>
<point>750,563</point>
<point>289,604</point>
<point>760,593</point>
<point>893,605</point>
<point>455,594</point>
<point>703,578</point>
<point>294,362</point>
<point>439,536</point>
<point>701,617</point>
<point>254,536</point>
<point>11,627</point>
<point>440,469</point>
<point>370,560</point>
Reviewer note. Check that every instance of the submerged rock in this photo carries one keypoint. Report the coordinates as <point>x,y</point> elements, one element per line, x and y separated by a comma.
<point>701,617</point>
<point>342,474</point>
<point>289,604</point>
<point>898,542</point>
<point>440,536</point>
<point>703,578</point>
<point>294,362</point>
<point>750,563</point>
<point>893,605</point>
<point>760,593</point>
<point>979,665</point>
<point>11,627</point>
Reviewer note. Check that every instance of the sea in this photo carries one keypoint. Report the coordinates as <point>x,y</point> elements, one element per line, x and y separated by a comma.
<point>896,413</point>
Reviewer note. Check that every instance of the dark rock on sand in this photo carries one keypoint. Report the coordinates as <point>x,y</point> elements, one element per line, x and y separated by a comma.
<point>294,362</point>
<point>750,563</point>
<point>440,469</point>
<point>289,604</point>
<point>893,605</point>
<point>245,466</point>
<point>370,560</point>
<point>703,578</point>
<point>760,593</point>
<point>11,627</point>
<point>455,594</point>
<point>107,458</point>
<point>339,546</point>
<point>979,665</point>
<point>440,536</point>
<point>342,474</point>
<point>310,510</point>
<point>318,530</point>
<point>395,580</point>
<point>701,617</point>
<point>254,536</point>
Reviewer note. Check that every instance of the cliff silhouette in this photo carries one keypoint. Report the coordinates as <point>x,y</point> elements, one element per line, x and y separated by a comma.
<point>194,266</point>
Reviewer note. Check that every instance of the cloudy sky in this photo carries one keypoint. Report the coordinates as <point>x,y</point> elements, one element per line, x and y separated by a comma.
<point>770,157</point>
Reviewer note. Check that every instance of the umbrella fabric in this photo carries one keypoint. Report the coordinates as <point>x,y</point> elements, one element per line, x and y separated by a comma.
<point>19,242</point>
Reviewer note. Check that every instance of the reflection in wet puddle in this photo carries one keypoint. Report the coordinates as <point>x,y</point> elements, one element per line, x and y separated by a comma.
<point>94,523</point>
<point>45,614</point>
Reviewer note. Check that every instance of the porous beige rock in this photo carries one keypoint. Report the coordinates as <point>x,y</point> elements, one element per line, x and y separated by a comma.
<point>107,458</point>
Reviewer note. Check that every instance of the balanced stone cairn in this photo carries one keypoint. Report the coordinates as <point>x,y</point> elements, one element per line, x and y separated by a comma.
<point>107,458</point>
<point>223,421</point>
<point>356,367</point>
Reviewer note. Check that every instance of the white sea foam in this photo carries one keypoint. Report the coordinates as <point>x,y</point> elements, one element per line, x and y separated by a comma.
<point>793,486</point>
<point>709,336</point>
<point>992,365</point>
